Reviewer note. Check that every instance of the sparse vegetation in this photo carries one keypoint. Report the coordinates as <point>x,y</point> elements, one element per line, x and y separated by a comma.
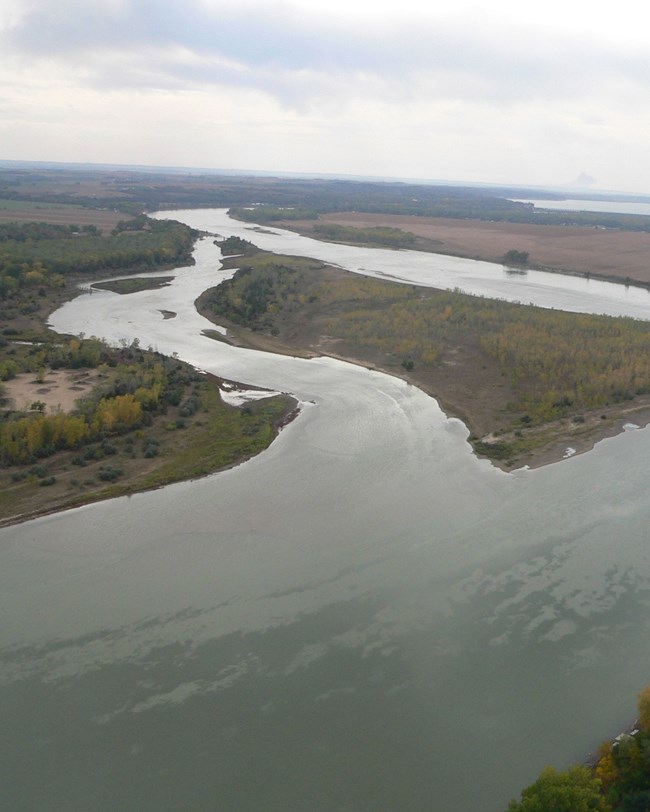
<point>236,245</point>
<point>134,284</point>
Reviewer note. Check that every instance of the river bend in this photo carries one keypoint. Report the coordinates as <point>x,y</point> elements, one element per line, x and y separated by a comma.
<point>363,618</point>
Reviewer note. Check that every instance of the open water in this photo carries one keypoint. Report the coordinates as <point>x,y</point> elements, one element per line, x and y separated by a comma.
<point>364,618</point>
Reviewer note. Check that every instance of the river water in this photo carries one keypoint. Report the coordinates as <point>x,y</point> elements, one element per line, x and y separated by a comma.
<point>363,618</point>
<point>607,206</point>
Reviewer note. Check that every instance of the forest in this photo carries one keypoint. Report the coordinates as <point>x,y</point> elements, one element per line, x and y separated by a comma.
<point>33,250</point>
<point>551,364</point>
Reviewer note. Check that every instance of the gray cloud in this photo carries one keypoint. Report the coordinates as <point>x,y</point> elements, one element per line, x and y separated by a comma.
<point>536,95</point>
<point>301,58</point>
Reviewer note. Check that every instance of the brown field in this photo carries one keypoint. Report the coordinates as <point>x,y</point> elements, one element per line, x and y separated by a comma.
<point>600,252</point>
<point>60,215</point>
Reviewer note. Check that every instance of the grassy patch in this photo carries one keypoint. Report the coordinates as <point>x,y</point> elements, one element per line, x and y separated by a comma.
<point>223,436</point>
<point>134,284</point>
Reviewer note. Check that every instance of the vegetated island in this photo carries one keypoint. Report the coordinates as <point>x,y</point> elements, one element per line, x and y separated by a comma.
<point>81,421</point>
<point>618,780</point>
<point>532,385</point>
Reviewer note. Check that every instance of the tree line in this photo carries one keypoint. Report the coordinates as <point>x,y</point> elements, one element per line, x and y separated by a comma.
<point>619,782</point>
<point>59,252</point>
<point>556,363</point>
<point>375,235</point>
<point>22,232</point>
<point>265,199</point>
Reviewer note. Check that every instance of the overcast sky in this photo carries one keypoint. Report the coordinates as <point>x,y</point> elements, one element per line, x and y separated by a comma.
<point>497,92</point>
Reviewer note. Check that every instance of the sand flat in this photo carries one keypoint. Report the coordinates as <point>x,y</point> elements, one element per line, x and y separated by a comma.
<point>59,389</point>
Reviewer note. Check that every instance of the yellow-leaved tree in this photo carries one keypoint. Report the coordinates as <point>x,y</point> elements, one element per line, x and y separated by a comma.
<point>643,705</point>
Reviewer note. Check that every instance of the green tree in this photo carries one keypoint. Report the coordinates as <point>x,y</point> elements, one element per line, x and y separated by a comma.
<point>514,257</point>
<point>636,802</point>
<point>643,705</point>
<point>574,790</point>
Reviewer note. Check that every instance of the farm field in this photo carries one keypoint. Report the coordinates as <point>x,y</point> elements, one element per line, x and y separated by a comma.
<point>608,253</point>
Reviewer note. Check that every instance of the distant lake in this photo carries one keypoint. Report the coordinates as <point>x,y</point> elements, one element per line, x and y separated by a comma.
<point>607,206</point>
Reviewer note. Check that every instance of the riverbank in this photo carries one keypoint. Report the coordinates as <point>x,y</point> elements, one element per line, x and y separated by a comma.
<point>167,449</point>
<point>609,254</point>
<point>469,383</point>
<point>170,443</point>
<point>550,443</point>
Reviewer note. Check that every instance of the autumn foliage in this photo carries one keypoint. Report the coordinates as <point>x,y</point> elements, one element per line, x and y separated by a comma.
<point>619,782</point>
<point>555,363</point>
<point>135,384</point>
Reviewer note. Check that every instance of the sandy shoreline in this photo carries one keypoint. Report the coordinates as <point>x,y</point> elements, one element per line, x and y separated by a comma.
<point>571,438</point>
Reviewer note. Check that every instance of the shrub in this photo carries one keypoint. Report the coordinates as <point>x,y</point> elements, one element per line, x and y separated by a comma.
<point>108,473</point>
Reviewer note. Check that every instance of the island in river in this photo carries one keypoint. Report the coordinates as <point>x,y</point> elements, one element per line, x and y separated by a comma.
<point>509,423</point>
<point>533,385</point>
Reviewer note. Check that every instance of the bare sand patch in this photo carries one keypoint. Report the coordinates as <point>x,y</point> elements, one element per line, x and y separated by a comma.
<point>58,389</point>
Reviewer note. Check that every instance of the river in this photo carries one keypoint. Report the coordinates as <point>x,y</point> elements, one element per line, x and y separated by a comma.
<point>363,618</point>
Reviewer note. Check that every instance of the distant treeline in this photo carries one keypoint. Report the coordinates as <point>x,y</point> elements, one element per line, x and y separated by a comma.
<point>22,232</point>
<point>276,198</point>
<point>375,235</point>
<point>450,203</point>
